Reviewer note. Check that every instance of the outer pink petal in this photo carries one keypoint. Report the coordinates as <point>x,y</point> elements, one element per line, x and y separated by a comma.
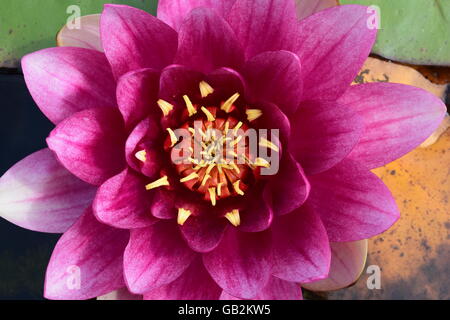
<point>333,46</point>
<point>290,188</point>
<point>276,289</point>
<point>123,202</point>
<point>207,42</point>
<point>137,93</point>
<point>194,284</point>
<point>120,294</point>
<point>90,144</point>
<point>264,25</point>
<point>241,263</point>
<point>173,12</point>
<point>203,233</point>
<point>353,203</point>
<point>301,251</point>
<point>323,134</point>
<point>397,119</point>
<point>347,264</point>
<point>155,256</point>
<point>305,8</point>
<point>275,77</point>
<point>39,194</point>
<point>87,36</point>
<point>133,39</point>
<point>87,261</point>
<point>64,81</point>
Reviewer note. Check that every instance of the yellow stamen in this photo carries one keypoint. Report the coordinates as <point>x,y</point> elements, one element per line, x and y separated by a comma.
<point>226,106</point>
<point>173,137</point>
<point>235,167</point>
<point>192,176</point>
<point>205,89</point>
<point>191,130</point>
<point>189,105</point>
<point>227,127</point>
<point>238,126</point>
<point>212,195</point>
<point>183,215</point>
<point>236,141</point>
<point>208,114</point>
<point>253,114</point>
<point>266,143</point>
<point>205,179</point>
<point>219,168</point>
<point>234,154</point>
<point>237,188</point>
<point>234,217</point>
<point>261,162</point>
<point>165,106</point>
<point>141,155</point>
<point>219,188</point>
<point>210,167</point>
<point>158,183</point>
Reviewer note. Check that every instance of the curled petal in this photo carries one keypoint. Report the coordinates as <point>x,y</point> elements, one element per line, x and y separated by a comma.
<point>178,80</point>
<point>87,36</point>
<point>203,233</point>
<point>133,39</point>
<point>90,144</point>
<point>353,203</point>
<point>87,261</point>
<point>227,80</point>
<point>347,264</point>
<point>39,194</point>
<point>397,119</point>
<point>64,81</point>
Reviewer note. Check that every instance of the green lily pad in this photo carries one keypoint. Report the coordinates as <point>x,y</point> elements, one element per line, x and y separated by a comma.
<point>30,25</point>
<point>412,31</point>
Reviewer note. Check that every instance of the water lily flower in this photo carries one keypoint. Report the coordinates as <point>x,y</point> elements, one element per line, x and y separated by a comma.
<point>135,221</point>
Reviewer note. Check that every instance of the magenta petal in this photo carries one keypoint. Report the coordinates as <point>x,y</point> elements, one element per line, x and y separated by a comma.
<point>353,203</point>
<point>133,39</point>
<point>137,93</point>
<point>241,263</point>
<point>301,250</point>
<point>256,213</point>
<point>155,256</point>
<point>123,202</point>
<point>264,25</point>
<point>177,80</point>
<point>333,46</point>
<point>323,134</point>
<point>275,77</point>
<point>87,261</point>
<point>90,144</point>
<point>173,12</point>
<point>194,284</point>
<point>207,42</point>
<point>290,187</point>
<point>203,233</point>
<point>227,80</point>
<point>276,289</point>
<point>163,204</point>
<point>39,194</point>
<point>66,80</point>
<point>397,119</point>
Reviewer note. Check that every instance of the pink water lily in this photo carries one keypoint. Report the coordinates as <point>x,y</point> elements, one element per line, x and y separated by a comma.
<point>136,222</point>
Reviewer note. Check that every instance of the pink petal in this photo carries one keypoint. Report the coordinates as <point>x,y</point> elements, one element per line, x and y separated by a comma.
<point>207,42</point>
<point>120,294</point>
<point>323,134</point>
<point>275,77</point>
<point>87,36</point>
<point>347,264</point>
<point>353,203</point>
<point>173,12</point>
<point>155,256</point>
<point>89,254</point>
<point>397,119</point>
<point>256,212</point>
<point>264,25</point>
<point>227,80</point>
<point>137,93</point>
<point>333,46</point>
<point>276,289</point>
<point>39,194</point>
<point>305,8</point>
<point>194,284</point>
<point>301,250</point>
<point>241,263</point>
<point>133,39</point>
<point>64,81</point>
<point>123,202</point>
<point>177,80</point>
<point>290,187</point>
<point>90,144</point>
<point>163,204</point>
<point>203,233</point>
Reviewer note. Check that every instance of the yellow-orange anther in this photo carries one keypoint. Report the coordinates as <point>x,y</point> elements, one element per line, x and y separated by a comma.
<point>234,217</point>
<point>158,183</point>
